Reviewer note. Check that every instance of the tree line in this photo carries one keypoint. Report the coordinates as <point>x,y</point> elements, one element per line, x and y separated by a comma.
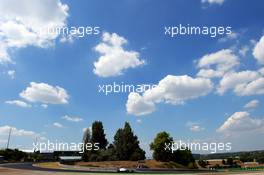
<point>249,156</point>
<point>126,146</point>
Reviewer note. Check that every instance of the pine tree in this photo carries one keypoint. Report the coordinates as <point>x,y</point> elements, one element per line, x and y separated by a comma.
<point>126,145</point>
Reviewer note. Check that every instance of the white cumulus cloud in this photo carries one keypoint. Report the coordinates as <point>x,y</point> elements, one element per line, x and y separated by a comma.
<point>219,2</point>
<point>45,93</point>
<point>255,87</point>
<point>22,24</point>
<point>258,51</point>
<point>241,122</point>
<point>217,64</point>
<point>171,89</point>
<point>242,83</point>
<point>114,59</point>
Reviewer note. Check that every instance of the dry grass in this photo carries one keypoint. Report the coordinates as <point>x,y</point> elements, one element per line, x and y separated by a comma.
<point>127,164</point>
<point>52,165</point>
<point>109,164</point>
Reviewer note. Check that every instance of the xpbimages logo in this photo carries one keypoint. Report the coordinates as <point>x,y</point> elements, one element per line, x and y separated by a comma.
<point>124,88</point>
<point>211,31</point>
<point>212,147</point>
<point>72,31</point>
<point>49,146</point>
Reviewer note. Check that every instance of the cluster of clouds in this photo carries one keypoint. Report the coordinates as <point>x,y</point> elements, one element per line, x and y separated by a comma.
<point>5,130</point>
<point>223,64</point>
<point>115,59</point>
<point>21,24</point>
<point>44,94</point>
<point>244,83</point>
<point>68,118</point>
<point>242,125</point>
<point>236,123</point>
<point>218,70</point>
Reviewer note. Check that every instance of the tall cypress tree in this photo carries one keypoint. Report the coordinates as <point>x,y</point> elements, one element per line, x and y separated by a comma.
<point>98,135</point>
<point>86,140</point>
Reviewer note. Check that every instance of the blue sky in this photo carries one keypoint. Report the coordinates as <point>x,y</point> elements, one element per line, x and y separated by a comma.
<point>26,57</point>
